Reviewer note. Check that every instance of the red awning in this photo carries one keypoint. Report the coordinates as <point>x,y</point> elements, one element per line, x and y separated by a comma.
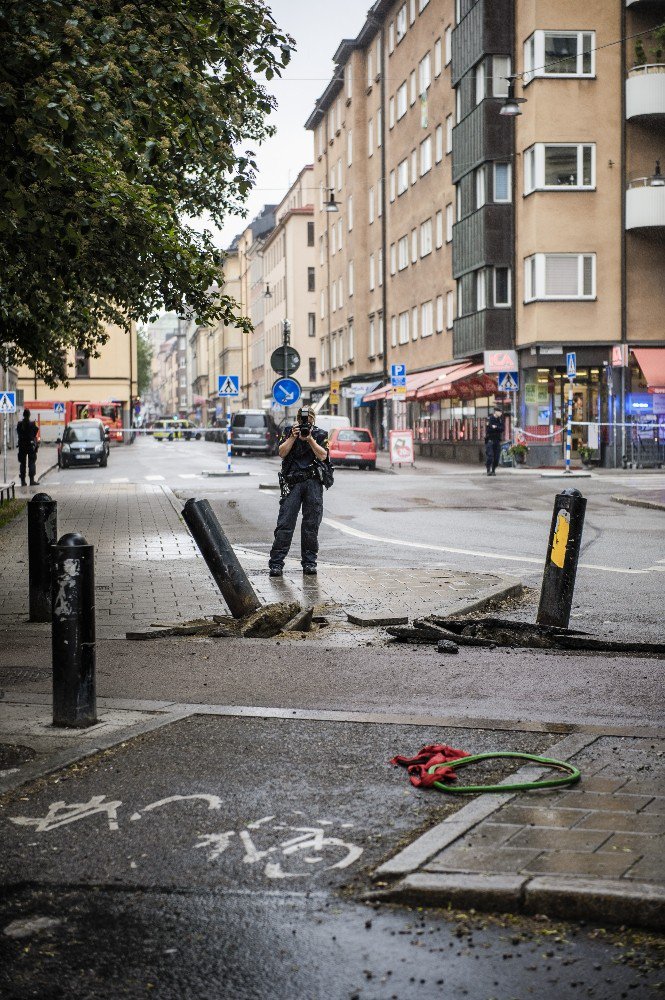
<point>464,381</point>
<point>414,381</point>
<point>652,362</point>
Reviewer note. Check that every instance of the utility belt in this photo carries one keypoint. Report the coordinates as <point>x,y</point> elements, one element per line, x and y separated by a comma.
<point>286,482</point>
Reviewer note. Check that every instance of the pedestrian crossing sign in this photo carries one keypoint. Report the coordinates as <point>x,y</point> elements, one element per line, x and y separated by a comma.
<point>508,381</point>
<point>228,385</point>
<point>7,402</point>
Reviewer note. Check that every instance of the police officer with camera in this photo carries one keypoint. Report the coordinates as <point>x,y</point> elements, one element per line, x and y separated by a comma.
<point>303,449</point>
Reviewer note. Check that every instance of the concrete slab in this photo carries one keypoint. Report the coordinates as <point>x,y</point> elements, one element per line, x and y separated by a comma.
<point>651,503</point>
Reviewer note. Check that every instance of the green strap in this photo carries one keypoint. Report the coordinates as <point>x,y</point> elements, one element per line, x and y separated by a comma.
<point>568,779</point>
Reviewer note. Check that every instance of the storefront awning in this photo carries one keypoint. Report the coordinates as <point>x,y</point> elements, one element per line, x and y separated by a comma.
<point>464,381</point>
<point>414,381</point>
<point>652,362</point>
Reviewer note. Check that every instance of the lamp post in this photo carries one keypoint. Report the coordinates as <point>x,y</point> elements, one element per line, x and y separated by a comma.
<point>330,206</point>
<point>511,104</point>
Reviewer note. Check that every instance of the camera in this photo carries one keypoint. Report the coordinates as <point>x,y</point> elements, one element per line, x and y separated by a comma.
<point>305,429</point>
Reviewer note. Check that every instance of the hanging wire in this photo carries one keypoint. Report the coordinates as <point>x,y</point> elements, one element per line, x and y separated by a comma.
<point>607,45</point>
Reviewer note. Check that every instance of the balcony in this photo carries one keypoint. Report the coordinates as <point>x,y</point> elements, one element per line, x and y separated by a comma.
<point>645,92</point>
<point>487,29</point>
<point>482,135</point>
<point>645,204</point>
<point>485,237</point>
<point>487,330</point>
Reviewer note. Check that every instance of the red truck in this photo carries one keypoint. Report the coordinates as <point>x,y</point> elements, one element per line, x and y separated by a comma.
<point>53,415</point>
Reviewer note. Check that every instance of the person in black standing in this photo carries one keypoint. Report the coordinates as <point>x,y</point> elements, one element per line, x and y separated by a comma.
<point>28,443</point>
<point>302,448</point>
<point>493,436</point>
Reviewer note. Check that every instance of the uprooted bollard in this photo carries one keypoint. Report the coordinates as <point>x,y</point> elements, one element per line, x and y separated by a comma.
<point>563,550</point>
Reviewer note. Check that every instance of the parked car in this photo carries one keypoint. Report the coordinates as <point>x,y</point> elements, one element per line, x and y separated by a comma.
<point>329,421</point>
<point>253,431</point>
<point>352,446</point>
<point>84,441</point>
<point>169,430</point>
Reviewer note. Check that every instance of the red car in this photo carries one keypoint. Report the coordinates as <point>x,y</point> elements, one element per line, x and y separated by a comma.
<point>352,446</point>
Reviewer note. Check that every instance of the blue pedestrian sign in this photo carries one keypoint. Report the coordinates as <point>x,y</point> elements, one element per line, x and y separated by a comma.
<point>7,402</point>
<point>58,407</point>
<point>508,381</point>
<point>286,391</point>
<point>228,385</point>
<point>571,364</point>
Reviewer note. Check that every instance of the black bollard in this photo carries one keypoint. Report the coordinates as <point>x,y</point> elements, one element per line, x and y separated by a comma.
<point>563,550</point>
<point>73,633</point>
<point>42,534</point>
<point>222,562</point>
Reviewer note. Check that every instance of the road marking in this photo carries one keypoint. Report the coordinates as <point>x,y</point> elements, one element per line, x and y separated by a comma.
<point>154,479</point>
<point>189,475</point>
<point>84,482</point>
<point>355,533</point>
<point>120,479</point>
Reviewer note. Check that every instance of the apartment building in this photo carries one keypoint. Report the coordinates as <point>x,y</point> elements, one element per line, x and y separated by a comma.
<point>473,230</point>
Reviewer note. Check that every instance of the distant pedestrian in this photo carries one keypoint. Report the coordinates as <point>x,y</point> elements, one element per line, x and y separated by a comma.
<point>28,443</point>
<point>303,449</point>
<point>493,437</point>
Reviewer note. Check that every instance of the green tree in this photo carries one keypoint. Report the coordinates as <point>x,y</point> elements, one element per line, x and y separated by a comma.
<point>143,362</point>
<point>120,122</point>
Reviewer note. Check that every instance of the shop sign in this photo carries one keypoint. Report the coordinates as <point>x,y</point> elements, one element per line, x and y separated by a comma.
<point>620,356</point>
<point>500,361</point>
<point>334,392</point>
<point>401,448</point>
<point>535,394</point>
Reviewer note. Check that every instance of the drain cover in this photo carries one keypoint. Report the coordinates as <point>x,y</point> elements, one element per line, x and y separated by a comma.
<point>23,675</point>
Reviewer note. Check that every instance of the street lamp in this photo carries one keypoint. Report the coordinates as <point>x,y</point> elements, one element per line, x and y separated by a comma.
<point>511,104</point>
<point>657,181</point>
<point>267,294</point>
<point>331,204</point>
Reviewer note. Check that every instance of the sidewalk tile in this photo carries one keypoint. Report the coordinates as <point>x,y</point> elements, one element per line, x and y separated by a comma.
<point>656,807</point>
<point>619,822</point>
<point>539,816</point>
<point>600,800</point>
<point>649,869</point>
<point>601,900</point>
<point>604,866</point>
<point>478,860</point>
<point>599,783</point>
<point>558,840</point>
<point>637,843</point>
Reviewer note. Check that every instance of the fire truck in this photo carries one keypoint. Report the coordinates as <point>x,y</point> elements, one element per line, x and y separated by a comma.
<point>53,415</point>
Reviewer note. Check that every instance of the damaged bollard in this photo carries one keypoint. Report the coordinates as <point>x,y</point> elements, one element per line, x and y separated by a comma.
<point>73,633</point>
<point>222,561</point>
<point>42,534</point>
<point>563,549</point>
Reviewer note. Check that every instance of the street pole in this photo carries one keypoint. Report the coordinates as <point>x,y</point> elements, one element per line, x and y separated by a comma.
<point>569,427</point>
<point>286,340</point>
<point>228,433</point>
<point>4,422</point>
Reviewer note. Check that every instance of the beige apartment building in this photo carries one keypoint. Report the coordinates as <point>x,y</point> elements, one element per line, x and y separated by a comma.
<point>473,231</point>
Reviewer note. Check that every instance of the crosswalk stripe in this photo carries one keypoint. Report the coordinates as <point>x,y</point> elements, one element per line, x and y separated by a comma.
<point>121,479</point>
<point>84,482</point>
<point>154,479</point>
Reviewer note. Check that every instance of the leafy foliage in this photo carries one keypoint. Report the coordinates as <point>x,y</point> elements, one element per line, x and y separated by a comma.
<point>120,120</point>
<point>143,361</point>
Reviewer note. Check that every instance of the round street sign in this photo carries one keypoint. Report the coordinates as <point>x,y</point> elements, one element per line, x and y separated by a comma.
<point>285,360</point>
<point>286,391</point>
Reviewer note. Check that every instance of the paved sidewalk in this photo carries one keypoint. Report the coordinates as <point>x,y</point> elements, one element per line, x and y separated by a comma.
<point>595,851</point>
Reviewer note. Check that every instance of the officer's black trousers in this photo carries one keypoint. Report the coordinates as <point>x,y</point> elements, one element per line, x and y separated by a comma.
<point>31,458</point>
<point>309,496</point>
<point>492,453</point>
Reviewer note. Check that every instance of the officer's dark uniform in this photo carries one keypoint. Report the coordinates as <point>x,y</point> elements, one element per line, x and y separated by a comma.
<point>493,435</point>
<point>305,490</point>
<point>27,433</point>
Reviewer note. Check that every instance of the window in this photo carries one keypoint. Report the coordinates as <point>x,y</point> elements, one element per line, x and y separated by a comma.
<point>449,223</point>
<point>401,101</point>
<point>323,355</point>
<point>391,112</point>
<point>480,178</point>
<point>413,91</point>
<point>380,267</point>
<point>393,258</point>
<point>391,38</point>
<point>414,246</point>
<point>438,144</point>
<point>81,364</point>
<point>331,121</point>
<point>372,335</point>
<point>412,11</point>
<point>402,176</point>
<point>437,57</point>
<point>403,253</point>
<point>481,301</point>
<point>311,324</point>
<point>380,344</point>
<point>393,331</point>
<point>370,75</point>
<point>351,343</point>
<point>414,166</point>
<point>339,234</point>
<point>439,229</point>
<point>348,73</point>
<point>421,5</point>
<point>502,182</point>
<point>371,272</point>
<point>439,313</point>
<point>557,166</point>
<point>333,240</point>
<point>350,278</point>
<point>379,128</point>
<point>458,105</point>
<point>500,74</point>
<point>379,57</point>
<point>322,304</point>
<point>414,323</point>
<point>458,11</point>
<point>401,23</point>
<point>370,137</point>
<point>379,196</point>
<point>448,44</point>
<point>349,212</point>
<point>333,351</point>
<point>404,328</point>
<point>479,82</point>
<point>340,292</point>
<point>450,310</point>
<point>392,185</point>
<point>426,319</point>
<point>371,205</point>
<point>310,234</point>
<point>560,276</point>
<point>310,279</point>
<point>339,175</point>
<point>424,73</point>
<point>449,133</point>
<point>312,369</point>
<point>501,287</point>
<point>559,53</point>
<point>349,148</point>
<point>426,155</point>
<point>425,237</point>
<point>333,297</point>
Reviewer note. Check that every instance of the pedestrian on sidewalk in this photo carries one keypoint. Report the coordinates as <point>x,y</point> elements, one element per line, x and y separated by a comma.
<point>303,449</point>
<point>493,437</point>
<point>28,444</point>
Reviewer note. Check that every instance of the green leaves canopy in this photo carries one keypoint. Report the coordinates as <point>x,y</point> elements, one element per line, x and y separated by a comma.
<point>120,121</point>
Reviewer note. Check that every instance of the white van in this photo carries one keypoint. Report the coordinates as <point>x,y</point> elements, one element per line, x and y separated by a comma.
<point>329,422</point>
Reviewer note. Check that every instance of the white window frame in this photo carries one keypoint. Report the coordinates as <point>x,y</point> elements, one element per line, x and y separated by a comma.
<point>404,327</point>
<point>379,123</point>
<point>349,212</point>
<point>391,180</point>
<point>480,185</point>
<point>371,272</point>
<point>393,331</point>
<point>449,223</point>
<point>372,335</point>
<point>400,23</point>
<point>333,297</point>
<point>402,253</point>
<point>322,304</point>
<point>402,100</point>
<point>402,176</point>
<point>439,230</point>
<point>370,74</point>
<point>371,205</point>
<point>349,148</point>
<point>351,341</point>
<point>479,81</point>
<point>425,73</point>
<point>340,292</point>
<point>508,303</point>
<point>379,197</point>
<point>414,246</point>
<point>448,45</point>
<point>391,113</point>
<point>449,133</point>
<point>348,74</point>
<point>438,58</point>
<point>535,61</point>
<point>534,167</point>
<point>370,137</point>
<point>438,143</point>
<point>426,237</point>
<point>509,198</point>
<point>339,175</point>
<point>501,70</point>
<point>426,319</point>
<point>450,310</point>
<point>350,278</point>
<point>391,38</point>
<point>414,166</point>
<point>421,6</point>
<point>439,314</point>
<point>426,156</point>
<point>379,58</point>
<point>393,259</point>
<point>481,289</point>
<point>413,89</point>
<point>412,11</point>
<point>333,240</point>
<point>339,235</point>
<point>414,323</point>
<point>535,269</point>
<point>379,267</point>
<point>333,350</point>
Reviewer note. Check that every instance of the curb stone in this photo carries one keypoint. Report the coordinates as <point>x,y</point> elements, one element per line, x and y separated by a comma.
<point>634,502</point>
